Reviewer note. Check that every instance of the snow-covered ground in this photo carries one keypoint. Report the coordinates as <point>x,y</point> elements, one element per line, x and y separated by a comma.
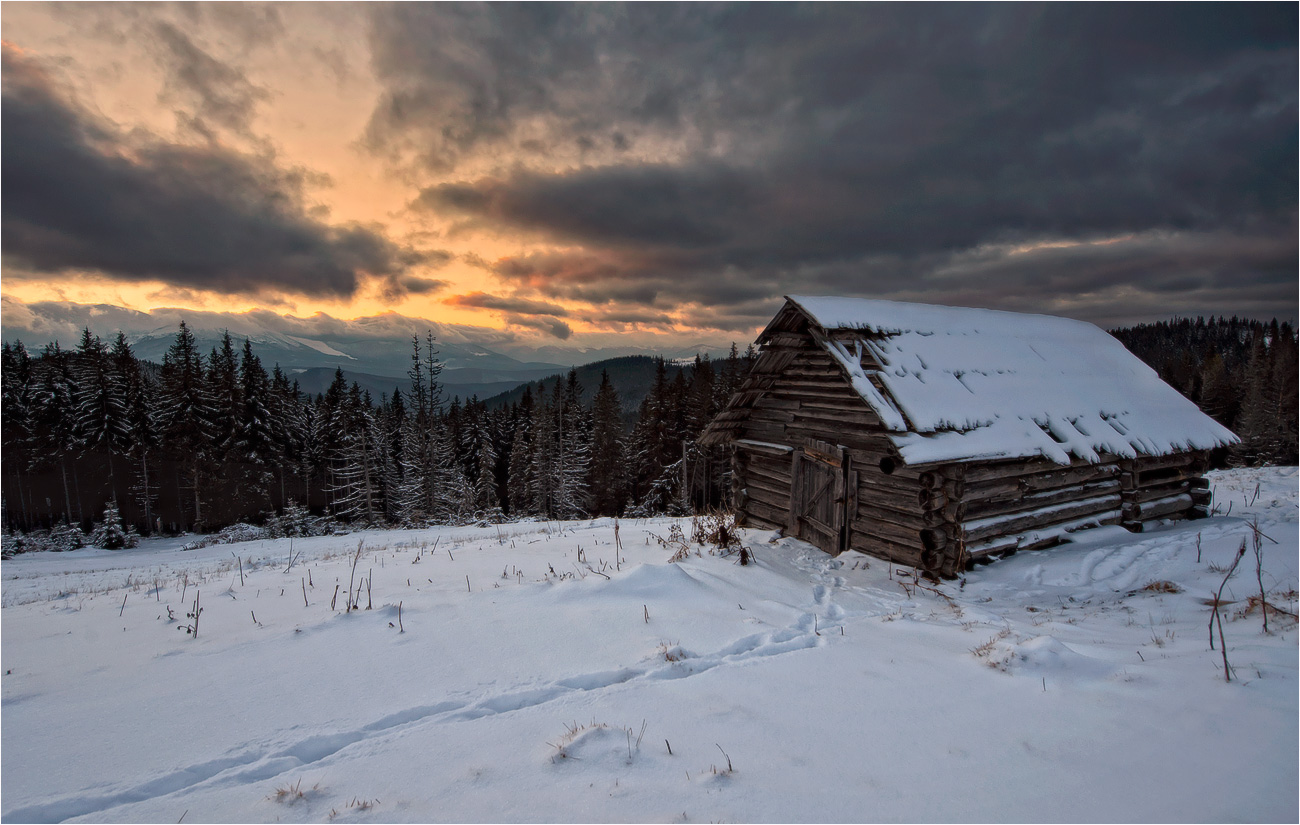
<point>537,676</point>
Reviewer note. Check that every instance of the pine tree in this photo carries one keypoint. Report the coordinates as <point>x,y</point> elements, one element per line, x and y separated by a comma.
<point>358,475</point>
<point>17,413</point>
<point>573,437</point>
<point>225,400</point>
<point>254,447</point>
<point>141,434</point>
<point>99,402</point>
<point>543,471</point>
<point>110,534</point>
<point>486,503</point>
<point>393,431</point>
<point>185,415</point>
<point>285,415</point>
<point>1285,379</point>
<point>519,482</point>
<point>53,437</point>
<point>607,471</point>
<point>1260,409</point>
<point>1219,397</point>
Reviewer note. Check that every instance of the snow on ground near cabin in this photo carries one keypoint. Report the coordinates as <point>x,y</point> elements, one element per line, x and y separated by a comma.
<point>1052,686</point>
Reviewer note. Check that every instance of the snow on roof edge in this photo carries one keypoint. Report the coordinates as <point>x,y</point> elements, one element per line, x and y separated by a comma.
<point>967,384</point>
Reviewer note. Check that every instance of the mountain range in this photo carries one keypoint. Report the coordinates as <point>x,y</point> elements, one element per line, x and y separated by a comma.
<point>374,351</point>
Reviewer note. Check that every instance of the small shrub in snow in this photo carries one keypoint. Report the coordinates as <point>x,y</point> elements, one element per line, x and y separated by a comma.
<point>718,529</point>
<point>297,522</point>
<point>12,543</point>
<point>291,794</point>
<point>110,534</point>
<point>1162,587</point>
<point>66,537</point>
<point>228,535</point>
<point>676,542</point>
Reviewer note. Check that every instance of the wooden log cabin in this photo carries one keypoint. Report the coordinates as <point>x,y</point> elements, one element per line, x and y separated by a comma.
<point>940,436</point>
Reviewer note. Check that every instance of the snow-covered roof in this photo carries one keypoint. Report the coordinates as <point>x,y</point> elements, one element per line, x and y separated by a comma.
<point>962,384</point>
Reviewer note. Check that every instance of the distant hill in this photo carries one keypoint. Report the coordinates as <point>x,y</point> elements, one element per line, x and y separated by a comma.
<point>631,375</point>
<point>463,384</point>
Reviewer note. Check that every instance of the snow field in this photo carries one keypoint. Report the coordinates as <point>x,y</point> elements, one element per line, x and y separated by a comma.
<point>1050,686</point>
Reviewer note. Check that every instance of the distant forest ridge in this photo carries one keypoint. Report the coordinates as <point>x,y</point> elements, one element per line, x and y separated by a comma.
<point>203,441</point>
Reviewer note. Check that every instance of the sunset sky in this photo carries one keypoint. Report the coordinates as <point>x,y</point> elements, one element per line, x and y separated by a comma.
<point>666,172</point>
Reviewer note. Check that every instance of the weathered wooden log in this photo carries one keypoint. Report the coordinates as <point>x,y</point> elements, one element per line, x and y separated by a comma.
<point>774,516</point>
<point>1001,544</point>
<point>760,431</point>
<point>932,480</point>
<point>788,339</point>
<point>769,416</point>
<point>872,477</point>
<point>766,497</point>
<point>894,499</point>
<point>796,431</point>
<point>1148,463</point>
<point>1045,517</point>
<point>1167,475</point>
<point>976,509</point>
<point>854,418</point>
<point>931,499</point>
<point>875,448</point>
<point>836,404</point>
<point>891,532</point>
<point>768,476</point>
<point>934,538</point>
<point>762,448</point>
<point>934,501</point>
<point>1017,469</point>
<point>879,547</point>
<point>777,468</point>
<point>1015,547</point>
<point>773,458</point>
<point>989,489</point>
<point>772,491</point>
<point>1202,498</point>
<point>1159,491</point>
<point>801,392</point>
<point>914,520</point>
<point>1199,483</point>
<point>1158,508</point>
<point>772,401</point>
<point>1067,477</point>
<point>1023,539</point>
<point>819,385</point>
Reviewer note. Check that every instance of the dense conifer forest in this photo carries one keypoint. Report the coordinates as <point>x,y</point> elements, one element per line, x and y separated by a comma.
<point>206,441</point>
<point>203,442</point>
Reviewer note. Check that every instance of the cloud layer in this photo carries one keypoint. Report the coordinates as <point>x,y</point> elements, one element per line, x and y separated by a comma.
<point>574,169</point>
<point>81,194</point>
<point>878,150</point>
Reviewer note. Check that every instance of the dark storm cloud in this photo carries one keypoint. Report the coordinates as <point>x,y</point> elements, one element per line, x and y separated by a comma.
<point>856,148</point>
<point>218,92</point>
<point>520,306</point>
<point>79,195</point>
<point>551,326</point>
<point>519,312</point>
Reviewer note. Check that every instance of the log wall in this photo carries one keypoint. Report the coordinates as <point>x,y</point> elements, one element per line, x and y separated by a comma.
<point>1164,487</point>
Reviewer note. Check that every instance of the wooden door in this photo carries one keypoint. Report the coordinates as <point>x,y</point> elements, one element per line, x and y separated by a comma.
<point>819,496</point>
